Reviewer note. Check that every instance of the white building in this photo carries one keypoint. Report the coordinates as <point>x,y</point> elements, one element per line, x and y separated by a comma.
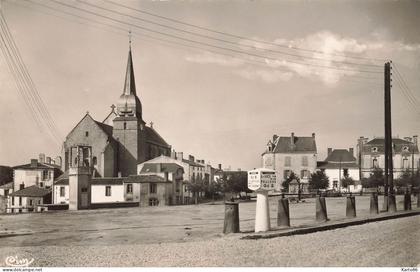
<point>341,163</point>
<point>35,173</point>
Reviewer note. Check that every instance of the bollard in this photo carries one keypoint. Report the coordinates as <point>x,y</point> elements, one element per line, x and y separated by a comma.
<point>392,205</point>
<point>351,206</point>
<point>262,213</point>
<point>231,224</point>
<point>418,199</point>
<point>407,201</point>
<point>385,204</point>
<point>321,209</point>
<point>374,204</point>
<point>283,216</point>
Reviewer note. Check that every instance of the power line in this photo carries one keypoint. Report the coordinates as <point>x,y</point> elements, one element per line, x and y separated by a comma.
<point>220,40</point>
<point>206,44</point>
<point>239,36</point>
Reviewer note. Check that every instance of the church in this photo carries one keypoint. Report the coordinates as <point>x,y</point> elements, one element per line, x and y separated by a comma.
<point>122,140</point>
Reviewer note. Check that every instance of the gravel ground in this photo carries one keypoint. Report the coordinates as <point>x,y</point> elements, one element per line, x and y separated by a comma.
<point>388,243</point>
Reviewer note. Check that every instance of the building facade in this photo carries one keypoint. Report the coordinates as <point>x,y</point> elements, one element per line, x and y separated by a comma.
<point>371,155</point>
<point>291,154</point>
<point>339,164</point>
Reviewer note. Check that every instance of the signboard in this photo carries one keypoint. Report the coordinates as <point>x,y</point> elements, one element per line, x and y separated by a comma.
<point>261,179</point>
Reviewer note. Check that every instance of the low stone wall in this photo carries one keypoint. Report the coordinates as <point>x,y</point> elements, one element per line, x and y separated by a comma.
<point>107,205</point>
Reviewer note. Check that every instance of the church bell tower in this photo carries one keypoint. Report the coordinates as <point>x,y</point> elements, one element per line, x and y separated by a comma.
<point>129,127</point>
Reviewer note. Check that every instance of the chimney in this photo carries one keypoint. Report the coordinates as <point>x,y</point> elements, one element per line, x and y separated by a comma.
<point>275,136</point>
<point>351,150</point>
<point>415,139</point>
<point>34,163</point>
<point>191,158</point>
<point>41,157</point>
<point>173,154</point>
<point>220,166</point>
<point>329,150</point>
<point>179,156</point>
<point>313,134</point>
<point>48,160</point>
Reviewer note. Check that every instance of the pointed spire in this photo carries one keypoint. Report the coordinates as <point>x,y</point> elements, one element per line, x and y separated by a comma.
<point>130,84</point>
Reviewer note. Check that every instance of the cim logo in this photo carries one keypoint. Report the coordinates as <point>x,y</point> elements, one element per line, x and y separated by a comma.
<point>16,262</point>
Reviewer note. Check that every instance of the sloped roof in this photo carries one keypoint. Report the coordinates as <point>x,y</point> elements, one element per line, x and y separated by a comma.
<point>145,179</point>
<point>39,165</point>
<point>301,144</point>
<point>153,137</point>
<point>340,155</point>
<point>32,191</point>
<point>8,185</point>
<point>336,165</point>
<point>192,163</point>
<point>398,144</point>
<point>164,167</point>
<point>106,128</point>
<point>107,181</point>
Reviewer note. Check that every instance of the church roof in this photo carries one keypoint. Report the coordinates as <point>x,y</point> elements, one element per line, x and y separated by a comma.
<point>153,137</point>
<point>106,128</point>
<point>130,83</point>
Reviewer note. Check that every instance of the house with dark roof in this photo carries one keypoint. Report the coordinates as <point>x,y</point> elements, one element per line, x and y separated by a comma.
<point>122,140</point>
<point>297,154</point>
<point>28,199</point>
<point>371,155</point>
<point>340,163</point>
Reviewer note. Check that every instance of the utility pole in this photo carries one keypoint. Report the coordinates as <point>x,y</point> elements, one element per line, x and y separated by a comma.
<point>389,200</point>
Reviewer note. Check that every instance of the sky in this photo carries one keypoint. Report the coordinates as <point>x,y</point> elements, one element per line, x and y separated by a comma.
<point>218,105</point>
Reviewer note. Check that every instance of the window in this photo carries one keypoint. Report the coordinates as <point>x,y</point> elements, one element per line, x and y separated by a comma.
<point>405,148</point>
<point>30,202</point>
<point>405,163</point>
<point>107,190</point>
<point>346,172</point>
<point>62,191</point>
<point>20,201</point>
<point>13,200</point>
<point>41,184</point>
<point>87,133</point>
<point>287,161</point>
<point>94,160</point>
<point>45,174</point>
<point>153,188</point>
<point>153,202</point>
<point>84,190</point>
<point>125,125</point>
<point>286,173</point>
<point>185,189</point>
<point>304,161</point>
<point>335,184</point>
<point>304,174</point>
<point>39,202</point>
<point>129,188</point>
<point>375,163</point>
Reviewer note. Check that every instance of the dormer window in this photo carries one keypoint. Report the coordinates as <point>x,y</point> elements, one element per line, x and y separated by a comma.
<point>406,149</point>
<point>374,149</point>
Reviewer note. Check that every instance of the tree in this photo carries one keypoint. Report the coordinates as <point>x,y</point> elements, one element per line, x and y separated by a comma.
<point>6,174</point>
<point>235,182</point>
<point>319,180</point>
<point>289,179</point>
<point>375,179</point>
<point>404,180</point>
<point>196,186</point>
<point>347,181</point>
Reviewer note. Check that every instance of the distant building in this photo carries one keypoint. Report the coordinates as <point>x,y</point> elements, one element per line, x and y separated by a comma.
<point>291,154</point>
<point>371,155</point>
<point>340,163</point>
<point>122,140</point>
<point>28,199</point>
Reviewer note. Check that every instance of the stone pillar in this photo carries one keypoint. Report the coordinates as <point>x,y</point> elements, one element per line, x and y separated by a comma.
<point>351,206</point>
<point>407,201</point>
<point>231,224</point>
<point>392,205</point>
<point>283,215</point>
<point>321,209</point>
<point>374,204</point>
<point>262,213</point>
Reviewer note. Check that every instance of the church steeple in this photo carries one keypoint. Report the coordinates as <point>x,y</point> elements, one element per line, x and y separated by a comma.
<point>129,104</point>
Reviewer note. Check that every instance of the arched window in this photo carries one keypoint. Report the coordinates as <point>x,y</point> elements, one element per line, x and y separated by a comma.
<point>125,125</point>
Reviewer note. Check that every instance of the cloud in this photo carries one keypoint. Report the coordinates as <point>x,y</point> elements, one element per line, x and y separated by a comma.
<point>268,76</point>
<point>327,57</point>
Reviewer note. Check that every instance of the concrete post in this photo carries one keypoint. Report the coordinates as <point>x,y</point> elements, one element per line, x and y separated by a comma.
<point>283,216</point>
<point>321,209</point>
<point>385,204</point>
<point>374,204</point>
<point>351,206</point>
<point>392,205</point>
<point>231,224</point>
<point>407,201</point>
<point>262,213</point>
